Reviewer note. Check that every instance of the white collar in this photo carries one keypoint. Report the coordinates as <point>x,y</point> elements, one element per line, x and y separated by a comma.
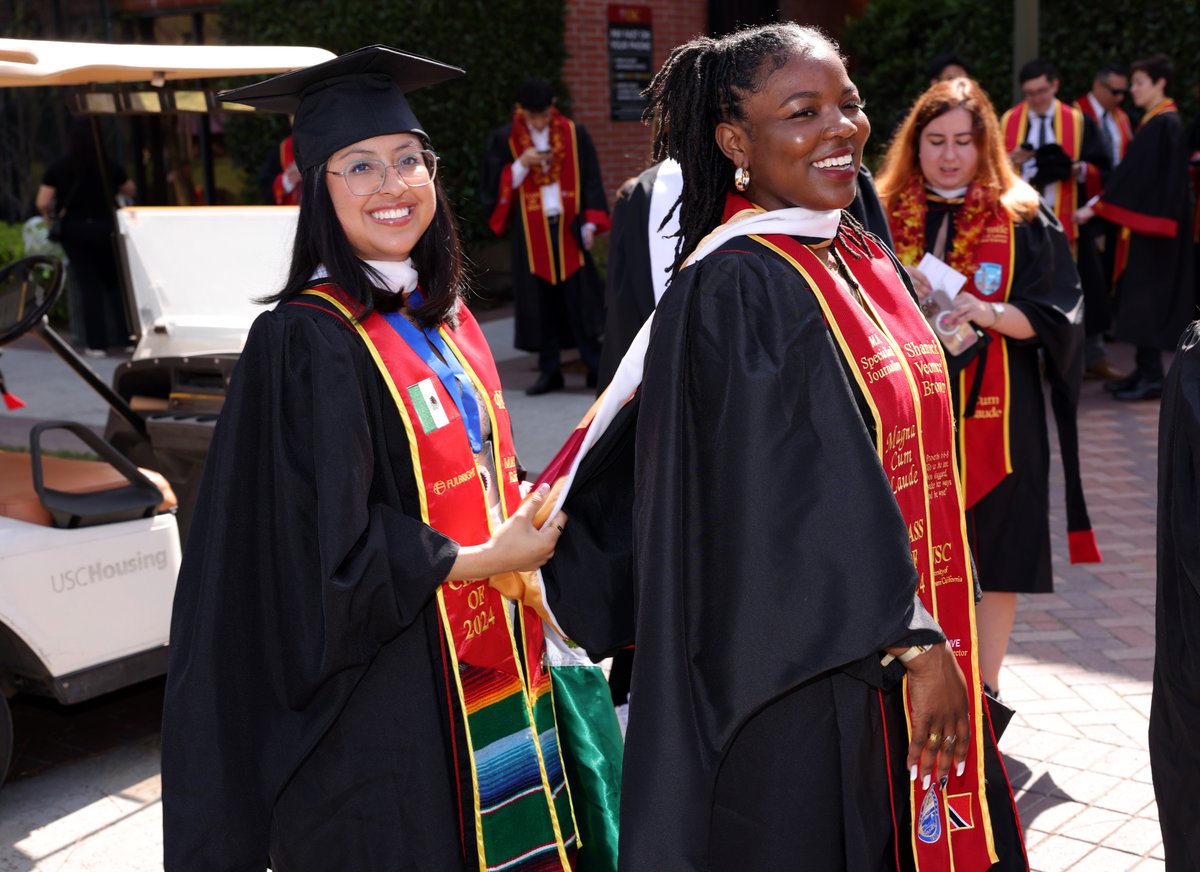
<point>788,222</point>
<point>398,275</point>
<point>949,193</point>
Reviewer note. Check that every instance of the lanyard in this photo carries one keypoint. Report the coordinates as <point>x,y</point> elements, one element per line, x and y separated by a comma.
<point>447,368</point>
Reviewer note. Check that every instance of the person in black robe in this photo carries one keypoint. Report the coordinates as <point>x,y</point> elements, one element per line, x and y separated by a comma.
<point>760,561</point>
<point>1147,195</point>
<point>1175,705</point>
<point>933,182</point>
<point>637,248</point>
<point>568,313</point>
<point>308,722</point>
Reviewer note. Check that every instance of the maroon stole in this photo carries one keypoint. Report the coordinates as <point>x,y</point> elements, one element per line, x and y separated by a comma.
<point>899,368</point>
<point>486,668</point>
<point>985,449</point>
<point>1068,132</point>
<point>539,244</point>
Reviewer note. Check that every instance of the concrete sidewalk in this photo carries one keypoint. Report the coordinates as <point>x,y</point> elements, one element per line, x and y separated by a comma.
<point>1078,675</point>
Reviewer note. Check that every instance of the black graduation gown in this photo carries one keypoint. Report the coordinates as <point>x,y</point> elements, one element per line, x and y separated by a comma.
<point>1093,277</point>
<point>1156,295</point>
<point>1175,706</point>
<point>769,565</point>
<point>1009,529</point>
<point>586,282</point>
<point>306,720</point>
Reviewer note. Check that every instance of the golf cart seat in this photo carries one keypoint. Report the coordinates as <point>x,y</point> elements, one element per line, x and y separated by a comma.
<point>62,492</point>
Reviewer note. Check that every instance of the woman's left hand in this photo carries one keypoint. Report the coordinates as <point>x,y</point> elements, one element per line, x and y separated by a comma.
<point>968,307</point>
<point>941,728</point>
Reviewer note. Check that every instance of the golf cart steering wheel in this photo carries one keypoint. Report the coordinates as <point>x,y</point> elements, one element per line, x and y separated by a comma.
<point>28,289</point>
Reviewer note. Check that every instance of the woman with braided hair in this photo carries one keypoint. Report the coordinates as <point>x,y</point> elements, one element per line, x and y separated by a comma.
<point>796,523</point>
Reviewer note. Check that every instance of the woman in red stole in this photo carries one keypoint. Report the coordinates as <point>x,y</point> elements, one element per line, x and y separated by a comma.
<point>950,192</point>
<point>795,519</point>
<point>345,690</point>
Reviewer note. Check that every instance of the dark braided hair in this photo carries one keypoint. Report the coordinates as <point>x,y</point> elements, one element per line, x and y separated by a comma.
<point>703,83</point>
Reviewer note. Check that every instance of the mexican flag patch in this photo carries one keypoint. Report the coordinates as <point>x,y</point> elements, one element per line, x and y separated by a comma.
<point>429,408</point>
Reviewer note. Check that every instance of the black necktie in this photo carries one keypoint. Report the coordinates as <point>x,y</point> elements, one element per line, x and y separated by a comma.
<point>1045,132</point>
<point>1106,137</point>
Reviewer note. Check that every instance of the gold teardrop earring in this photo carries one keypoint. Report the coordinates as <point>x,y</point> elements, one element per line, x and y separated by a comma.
<point>741,178</point>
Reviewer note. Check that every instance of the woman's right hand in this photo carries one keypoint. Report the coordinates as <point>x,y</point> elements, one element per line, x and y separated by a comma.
<point>920,282</point>
<point>937,691</point>
<point>517,545</point>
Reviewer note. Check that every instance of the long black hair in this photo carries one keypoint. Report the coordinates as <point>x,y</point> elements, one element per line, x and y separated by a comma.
<point>320,241</point>
<point>703,83</point>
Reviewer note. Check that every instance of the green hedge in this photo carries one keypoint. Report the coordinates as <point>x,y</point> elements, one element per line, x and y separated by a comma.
<point>499,45</point>
<point>891,45</point>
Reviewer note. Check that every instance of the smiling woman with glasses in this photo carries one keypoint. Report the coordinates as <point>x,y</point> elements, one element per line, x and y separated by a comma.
<point>347,691</point>
<point>367,176</point>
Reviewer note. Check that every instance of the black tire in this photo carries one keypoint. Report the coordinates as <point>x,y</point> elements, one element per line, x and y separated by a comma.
<point>6,737</point>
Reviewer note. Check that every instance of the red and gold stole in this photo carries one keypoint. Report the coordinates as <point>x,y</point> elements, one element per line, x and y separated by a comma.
<point>985,447</point>
<point>983,251</point>
<point>564,169</point>
<point>1068,132</point>
<point>523,814</point>
<point>899,368</point>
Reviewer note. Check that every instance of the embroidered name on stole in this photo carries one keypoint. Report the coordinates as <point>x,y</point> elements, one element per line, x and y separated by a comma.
<point>523,814</point>
<point>540,246</point>
<point>899,368</point>
<point>985,447</point>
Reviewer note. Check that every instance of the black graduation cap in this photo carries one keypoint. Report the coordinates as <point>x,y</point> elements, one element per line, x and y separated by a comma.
<point>347,99</point>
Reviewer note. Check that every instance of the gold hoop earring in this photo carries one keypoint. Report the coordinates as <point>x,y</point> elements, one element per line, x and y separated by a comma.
<point>741,178</point>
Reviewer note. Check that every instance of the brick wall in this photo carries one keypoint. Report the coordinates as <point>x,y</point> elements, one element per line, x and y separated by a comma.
<point>623,146</point>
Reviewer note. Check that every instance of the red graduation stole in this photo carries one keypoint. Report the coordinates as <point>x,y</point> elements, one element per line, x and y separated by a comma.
<point>540,245</point>
<point>900,370</point>
<point>985,449</point>
<point>1068,132</point>
<point>523,813</point>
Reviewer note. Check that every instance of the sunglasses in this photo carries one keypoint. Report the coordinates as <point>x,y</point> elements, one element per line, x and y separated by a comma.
<point>1116,92</point>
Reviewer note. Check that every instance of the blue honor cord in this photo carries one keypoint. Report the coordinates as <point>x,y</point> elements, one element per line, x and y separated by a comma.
<point>447,368</point>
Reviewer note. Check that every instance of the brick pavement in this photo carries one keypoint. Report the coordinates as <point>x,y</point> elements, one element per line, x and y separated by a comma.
<point>1079,668</point>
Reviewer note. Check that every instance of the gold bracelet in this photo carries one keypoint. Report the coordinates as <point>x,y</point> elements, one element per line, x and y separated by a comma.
<point>997,313</point>
<point>906,655</point>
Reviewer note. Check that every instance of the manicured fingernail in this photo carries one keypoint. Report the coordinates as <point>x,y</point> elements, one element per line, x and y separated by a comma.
<point>912,773</point>
<point>962,767</point>
<point>543,488</point>
<point>942,781</point>
<point>925,783</point>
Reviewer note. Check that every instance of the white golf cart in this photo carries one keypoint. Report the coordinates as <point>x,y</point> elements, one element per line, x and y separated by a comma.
<point>89,550</point>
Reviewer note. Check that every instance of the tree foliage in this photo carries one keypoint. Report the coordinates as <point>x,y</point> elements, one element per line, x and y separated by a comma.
<point>498,45</point>
<point>892,44</point>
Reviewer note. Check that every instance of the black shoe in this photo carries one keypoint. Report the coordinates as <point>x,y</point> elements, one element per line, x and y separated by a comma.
<point>546,382</point>
<point>1143,390</point>
<point>592,379</point>
<point>1124,384</point>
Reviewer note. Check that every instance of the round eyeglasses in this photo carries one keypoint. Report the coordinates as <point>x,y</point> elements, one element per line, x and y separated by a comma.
<point>367,176</point>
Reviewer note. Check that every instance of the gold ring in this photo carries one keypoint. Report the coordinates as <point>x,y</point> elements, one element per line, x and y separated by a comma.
<point>558,527</point>
<point>934,738</point>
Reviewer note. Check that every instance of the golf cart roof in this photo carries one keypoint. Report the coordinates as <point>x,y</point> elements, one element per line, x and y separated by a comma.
<point>36,62</point>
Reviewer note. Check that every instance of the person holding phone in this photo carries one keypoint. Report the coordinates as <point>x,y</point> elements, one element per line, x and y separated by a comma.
<point>541,176</point>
